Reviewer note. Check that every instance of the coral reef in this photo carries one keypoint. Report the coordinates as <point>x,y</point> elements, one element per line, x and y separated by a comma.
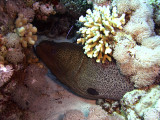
<point>141,104</point>
<point>135,47</point>
<point>100,27</point>
<point>3,50</point>
<point>136,50</point>
<point>139,62</point>
<point>156,14</point>
<point>11,50</point>
<point>6,73</point>
<point>12,40</point>
<point>8,109</point>
<point>12,8</point>
<point>14,55</point>
<point>140,24</point>
<point>28,13</point>
<point>26,31</point>
<point>43,10</point>
<point>99,2</point>
<point>156,7</point>
<point>124,35</point>
<point>6,22</point>
<point>75,7</point>
<point>110,106</point>
<point>33,80</point>
<point>9,10</point>
<point>33,87</point>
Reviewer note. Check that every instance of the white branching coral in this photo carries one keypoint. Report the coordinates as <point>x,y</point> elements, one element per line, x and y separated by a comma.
<point>97,34</point>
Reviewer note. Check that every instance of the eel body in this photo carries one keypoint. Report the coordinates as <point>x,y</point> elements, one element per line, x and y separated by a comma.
<point>81,74</point>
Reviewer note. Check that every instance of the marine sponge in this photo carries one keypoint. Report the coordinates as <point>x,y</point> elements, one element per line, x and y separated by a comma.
<point>141,63</point>
<point>140,24</point>
<point>97,35</point>
<point>25,30</point>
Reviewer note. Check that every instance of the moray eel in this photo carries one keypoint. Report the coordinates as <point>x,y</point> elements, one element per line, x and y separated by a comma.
<point>81,74</point>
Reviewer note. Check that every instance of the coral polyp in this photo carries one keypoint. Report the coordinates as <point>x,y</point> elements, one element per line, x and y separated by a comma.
<point>97,34</point>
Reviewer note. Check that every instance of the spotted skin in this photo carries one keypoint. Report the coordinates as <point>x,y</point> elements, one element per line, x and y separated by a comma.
<point>81,74</point>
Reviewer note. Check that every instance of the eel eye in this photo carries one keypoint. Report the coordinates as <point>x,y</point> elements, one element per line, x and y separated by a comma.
<point>92,91</point>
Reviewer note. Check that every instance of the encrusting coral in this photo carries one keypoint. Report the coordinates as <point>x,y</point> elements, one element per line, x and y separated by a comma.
<point>43,10</point>
<point>26,31</point>
<point>97,35</point>
<point>14,55</point>
<point>142,104</point>
<point>5,73</point>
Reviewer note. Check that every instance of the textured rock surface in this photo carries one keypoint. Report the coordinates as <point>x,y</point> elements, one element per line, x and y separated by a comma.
<point>83,75</point>
<point>142,104</point>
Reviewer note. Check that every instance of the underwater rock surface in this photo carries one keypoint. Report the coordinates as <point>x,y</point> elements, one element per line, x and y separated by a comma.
<point>83,75</point>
